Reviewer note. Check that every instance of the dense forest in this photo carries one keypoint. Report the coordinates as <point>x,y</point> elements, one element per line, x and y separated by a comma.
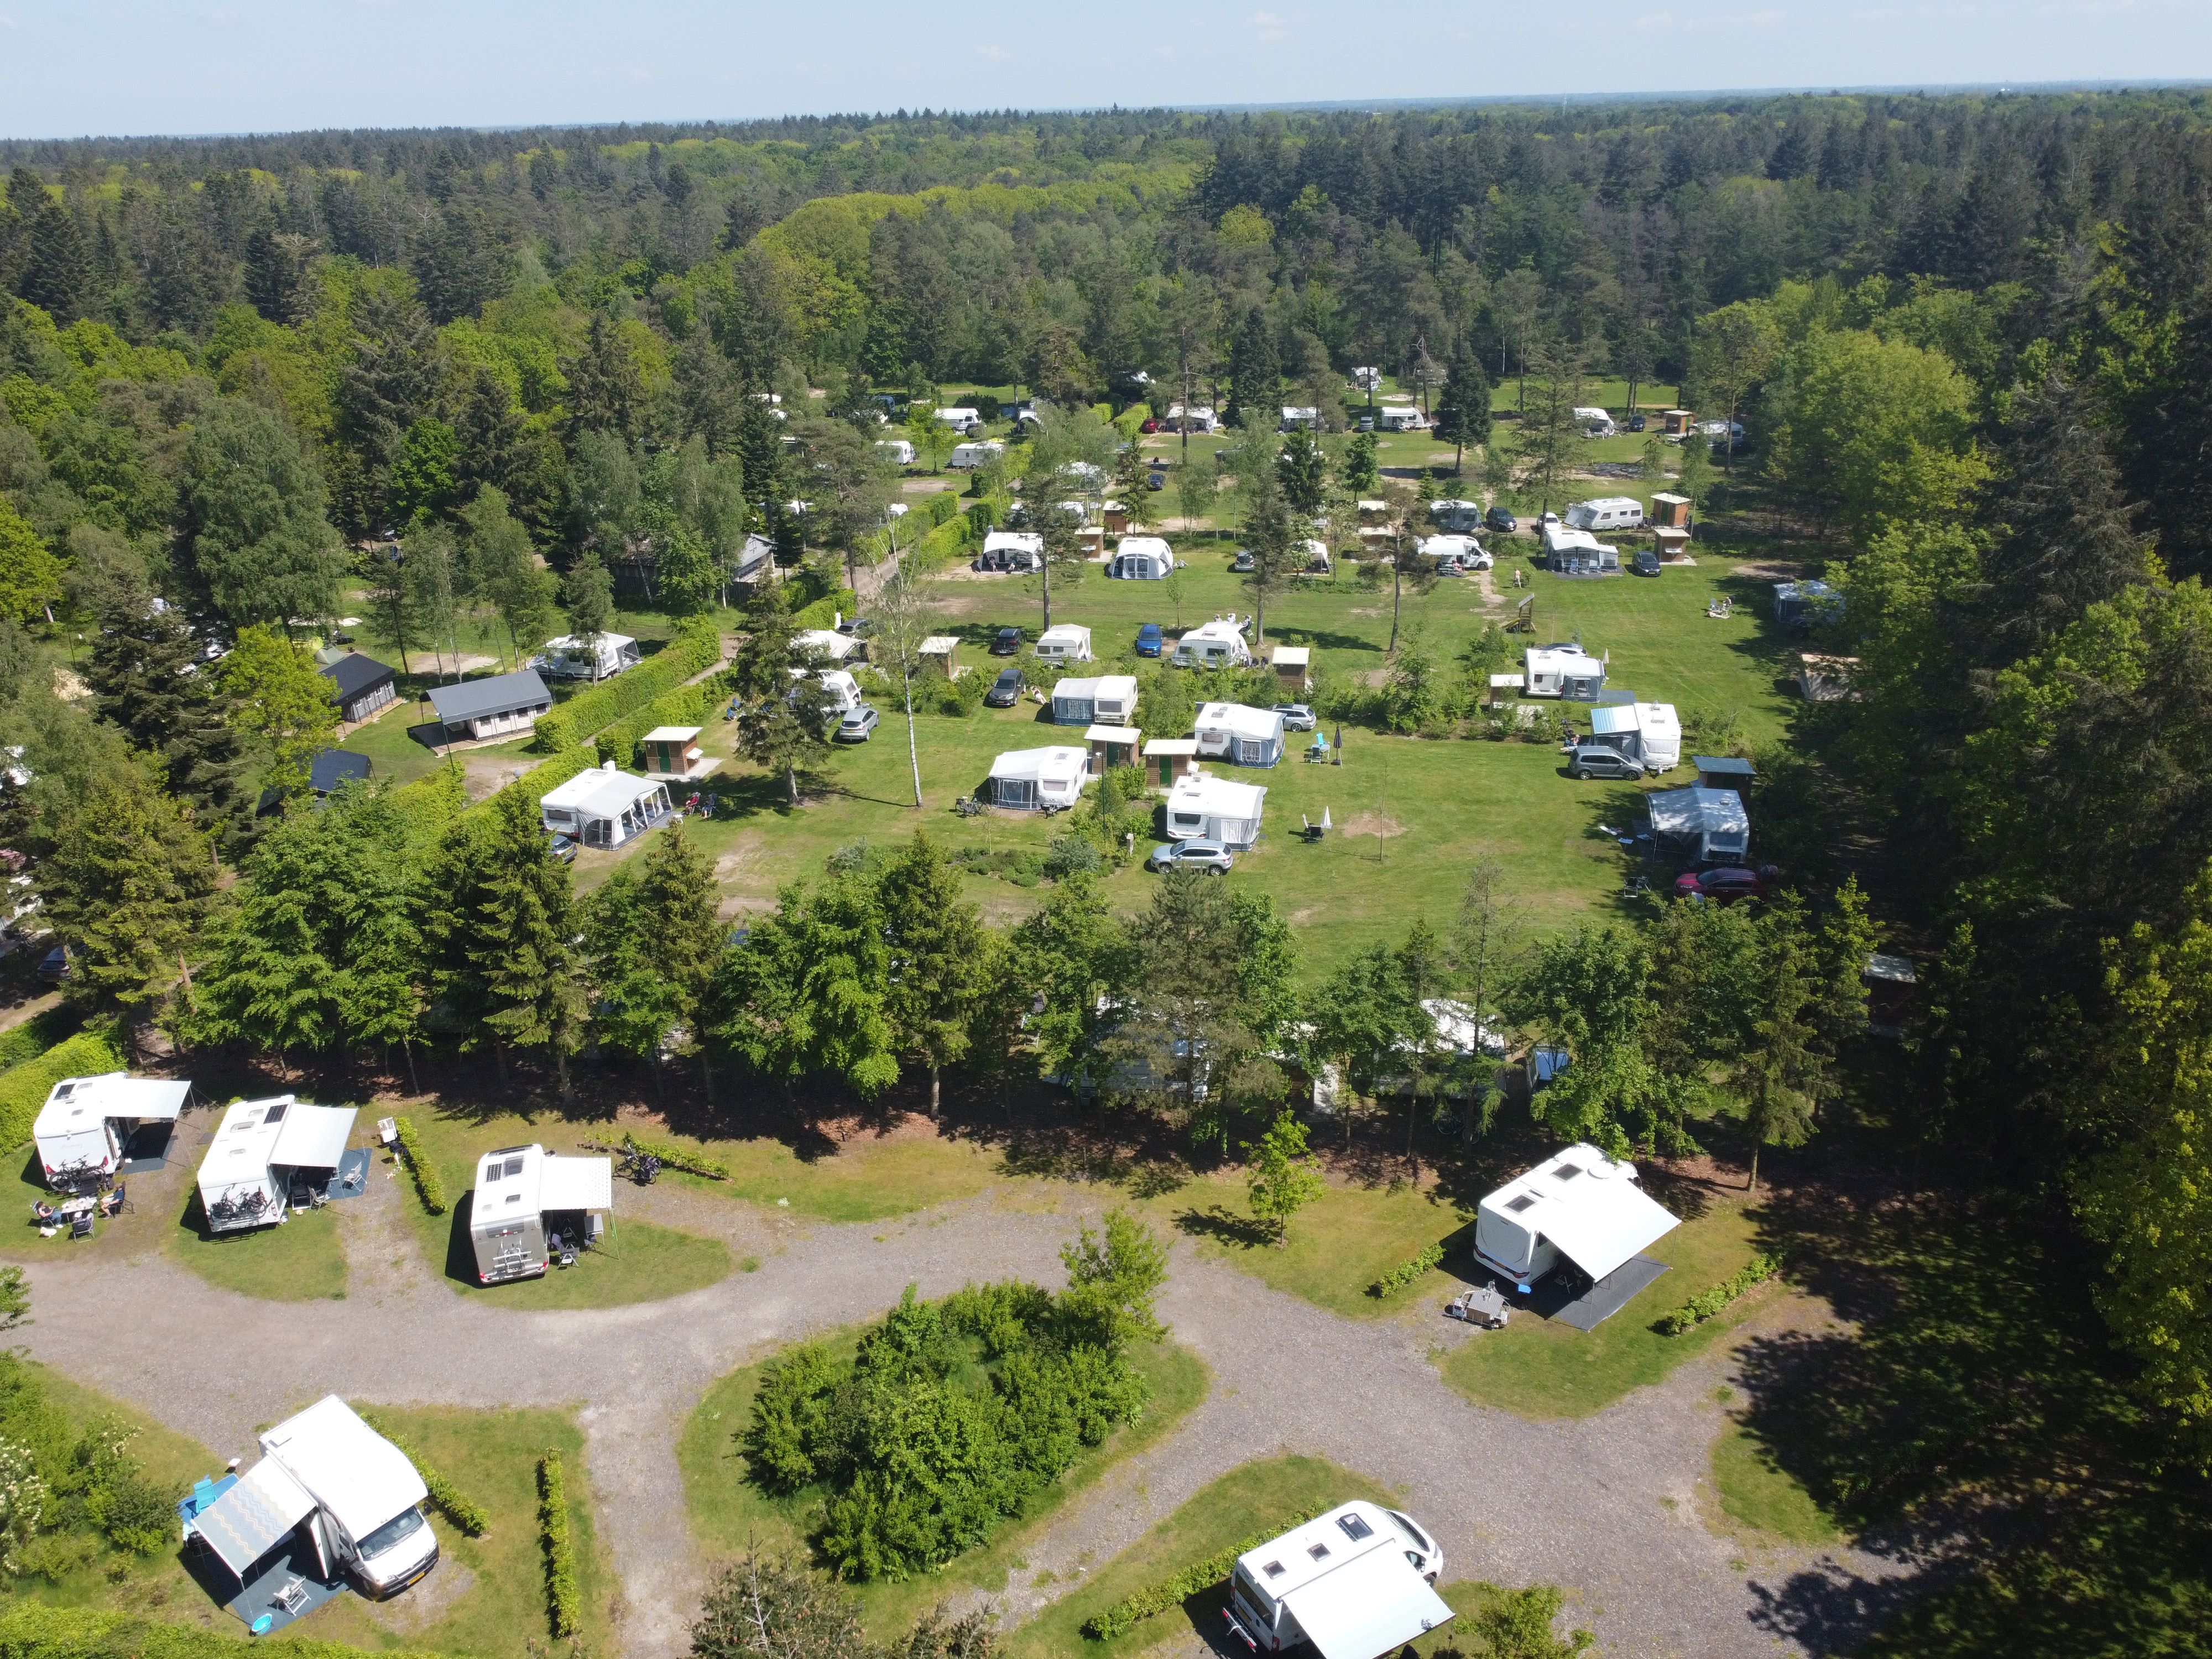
<point>1970,338</point>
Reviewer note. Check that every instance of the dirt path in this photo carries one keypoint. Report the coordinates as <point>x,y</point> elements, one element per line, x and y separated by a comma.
<point>1606,1504</point>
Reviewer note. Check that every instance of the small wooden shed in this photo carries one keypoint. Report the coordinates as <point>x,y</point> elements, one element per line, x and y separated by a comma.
<point>1113,745</point>
<point>1670,510</point>
<point>1672,543</point>
<point>1680,422</point>
<point>941,652</point>
<point>1176,757</point>
<point>1293,666</point>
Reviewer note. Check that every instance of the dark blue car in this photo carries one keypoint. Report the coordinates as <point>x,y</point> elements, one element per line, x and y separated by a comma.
<point>1149,642</point>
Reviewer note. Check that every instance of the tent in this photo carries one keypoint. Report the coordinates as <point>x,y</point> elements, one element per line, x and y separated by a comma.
<point>1030,780</point>
<point>569,658</point>
<point>1111,698</point>
<point>258,1150</point>
<point>604,807</point>
<point>1711,826</point>
<point>1142,558</point>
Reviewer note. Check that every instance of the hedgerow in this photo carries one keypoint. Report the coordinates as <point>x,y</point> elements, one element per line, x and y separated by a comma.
<point>623,743</point>
<point>564,1601</point>
<point>696,647</point>
<point>428,1187</point>
<point>1699,1309</point>
<point>676,1157</point>
<point>24,1088</point>
<point>1159,1596</point>
<point>1405,1273</point>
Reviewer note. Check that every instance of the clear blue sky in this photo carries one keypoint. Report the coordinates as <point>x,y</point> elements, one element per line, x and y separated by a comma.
<point>68,67</point>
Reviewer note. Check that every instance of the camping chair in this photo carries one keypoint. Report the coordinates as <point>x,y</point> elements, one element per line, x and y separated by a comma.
<point>115,1202</point>
<point>41,1212</point>
<point>292,1596</point>
<point>81,1227</point>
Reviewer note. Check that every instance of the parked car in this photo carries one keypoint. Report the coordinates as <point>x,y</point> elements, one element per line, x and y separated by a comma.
<point>1637,422</point>
<point>1296,716</point>
<point>1208,855</point>
<point>54,966</point>
<point>1150,640</point>
<point>1243,560</point>
<point>859,627</point>
<point>1156,479</point>
<point>1006,690</point>
<point>1006,642</point>
<point>1646,562</point>
<point>1722,886</point>
<point>1367,424</point>
<point>1148,426</point>
<point>562,850</point>
<point>858,724</point>
<point>1500,520</point>
<point>1594,760</point>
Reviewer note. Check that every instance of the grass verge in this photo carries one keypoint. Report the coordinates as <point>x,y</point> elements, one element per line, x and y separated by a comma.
<point>300,1260</point>
<point>727,1510</point>
<point>1758,1495</point>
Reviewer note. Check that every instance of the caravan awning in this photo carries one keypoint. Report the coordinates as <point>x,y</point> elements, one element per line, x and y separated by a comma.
<point>576,1183</point>
<point>1370,1605</point>
<point>254,1516</point>
<point>1599,1238</point>
<point>313,1137</point>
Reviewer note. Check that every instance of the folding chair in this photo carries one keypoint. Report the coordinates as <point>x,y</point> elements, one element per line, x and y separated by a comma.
<point>81,1226</point>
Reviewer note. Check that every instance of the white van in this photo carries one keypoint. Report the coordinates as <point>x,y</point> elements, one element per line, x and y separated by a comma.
<point>961,419</point>
<point>966,457</point>
<point>1607,513</point>
<point>1358,1581</point>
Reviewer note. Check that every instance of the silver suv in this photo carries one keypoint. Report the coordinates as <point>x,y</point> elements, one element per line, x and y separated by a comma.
<point>1208,856</point>
<point>858,725</point>
<point>1594,760</point>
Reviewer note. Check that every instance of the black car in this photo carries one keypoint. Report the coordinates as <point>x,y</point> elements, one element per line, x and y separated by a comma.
<point>1637,422</point>
<point>1646,562</point>
<point>1500,520</point>
<point>1006,690</point>
<point>1006,642</point>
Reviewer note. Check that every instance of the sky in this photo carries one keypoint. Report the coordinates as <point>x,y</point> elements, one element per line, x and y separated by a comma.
<point>74,67</point>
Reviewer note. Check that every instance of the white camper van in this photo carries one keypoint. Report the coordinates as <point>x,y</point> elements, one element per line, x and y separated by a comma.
<point>86,1121</point>
<point>267,1154</point>
<point>1595,422</point>
<point>329,1487</point>
<point>1394,418</point>
<point>1607,513</point>
<point>531,1206</point>
<point>1579,1206</point>
<point>961,418</point>
<point>1355,1583</point>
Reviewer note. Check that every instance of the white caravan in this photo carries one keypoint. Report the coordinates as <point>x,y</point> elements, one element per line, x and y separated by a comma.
<point>1607,513</point>
<point>569,658</point>
<point>1580,1206</point>
<point>327,1480</point>
<point>1204,808</point>
<point>1035,780</point>
<point>1561,670</point>
<point>966,458</point>
<point>1064,642</point>
<point>86,1121</point>
<point>1595,422</point>
<point>1355,1582</point>
<point>1217,644</point>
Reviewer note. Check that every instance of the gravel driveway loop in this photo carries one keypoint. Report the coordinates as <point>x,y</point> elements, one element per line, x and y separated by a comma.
<point>1574,1503</point>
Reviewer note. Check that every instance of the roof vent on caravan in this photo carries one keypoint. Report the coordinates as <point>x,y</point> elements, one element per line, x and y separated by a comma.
<point>1567,1171</point>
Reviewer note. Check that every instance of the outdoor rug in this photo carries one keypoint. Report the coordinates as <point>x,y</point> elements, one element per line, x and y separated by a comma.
<point>354,1163</point>
<point>252,1603</point>
<point>148,1150</point>
<point>1609,1295</point>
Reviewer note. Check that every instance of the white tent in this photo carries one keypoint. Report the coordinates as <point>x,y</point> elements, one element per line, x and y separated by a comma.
<point>1217,644</point>
<point>1579,1204</point>
<point>1142,558</point>
<point>245,1178</point>
<point>1012,550</point>
<point>1030,780</point>
<point>1711,825</point>
<point>604,807</point>
<point>1204,808</point>
<point>571,658</point>
<point>827,645</point>
<point>1064,642</point>
<point>1238,732</point>
<point>82,1129</point>
<point>1111,698</point>
<point>1562,670</point>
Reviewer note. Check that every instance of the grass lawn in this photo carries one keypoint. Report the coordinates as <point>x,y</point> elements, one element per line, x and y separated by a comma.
<point>866,1179</point>
<point>727,1510</point>
<point>1338,1246</point>
<point>640,1261</point>
<point>1758,1495</point>
<point>146,1224</point>
<point>491,1455</point>
<point>1539,1369</point>
<point>300,1260</point>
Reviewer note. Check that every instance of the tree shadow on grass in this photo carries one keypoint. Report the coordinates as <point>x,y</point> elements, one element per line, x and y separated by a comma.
<point>1224,1226</point>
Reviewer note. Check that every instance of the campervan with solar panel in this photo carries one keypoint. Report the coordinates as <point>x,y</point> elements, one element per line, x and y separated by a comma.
<point>1357,1582</point>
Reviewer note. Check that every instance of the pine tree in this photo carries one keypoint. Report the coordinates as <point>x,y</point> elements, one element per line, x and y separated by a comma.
<point>252,525</point>
<point>605,389</point>
<point>501,933</point>
<point>1256,373</point>
<point>1463,408</point>
<point>57,275</point>
<point>587,594</point>
<point>680,901</point>
<point>941,959</point>
<point>146,677</point>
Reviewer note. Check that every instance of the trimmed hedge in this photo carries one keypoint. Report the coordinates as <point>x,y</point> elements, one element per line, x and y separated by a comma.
<point>24,1088</point>
<point>426,1184</point>
<point>1405,1273</point>
<point>825,611</point>
<point>564,1601</point>
<point>30,1630</point>
<point>696,647</point>
<point>452,1502</point>
<point>1699,1309</point>
<point>36,1035</point>
<point>677,1158</point>
<point>624,742</point>
<point>939,506</point>
<point>1159,1597</point>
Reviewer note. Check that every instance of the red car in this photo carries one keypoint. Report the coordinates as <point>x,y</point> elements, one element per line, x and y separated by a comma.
<point>1722,886</point>
<point>1149,426</point>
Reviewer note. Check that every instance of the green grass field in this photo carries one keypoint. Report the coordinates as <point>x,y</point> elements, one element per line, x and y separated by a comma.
<point>726,1512</point>
<point>303,1259</point>
<point>639,1261</point>
<point>1761,1498</point>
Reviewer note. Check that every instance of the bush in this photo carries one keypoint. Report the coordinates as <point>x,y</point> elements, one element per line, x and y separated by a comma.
<point>428,1187</point>
<point>623,743</point>
<point>30,1630</point>
<point>696,647</point>
<point>1157,1597</point>
<point>1071,855</point>
<point>1405,1273</point>
<point>959,697</point>
<point>676,1157</point>
<point>564,1602</point>
<point>24,1088</point>
<point>1017,865</point>
<point>1699,1309</point>
<point>448,1499</point>
<point>825,612</point>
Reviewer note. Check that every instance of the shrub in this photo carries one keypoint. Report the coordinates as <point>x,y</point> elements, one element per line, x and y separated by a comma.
<point>696,647</point>
<point>1071,855</point>
<point>1157,1597</point>
<point>428,1187</point>
<point>24,1088</point>
<point>677,1158</point>
<point>564,1602</point>
<point>623,743</point>
<point>449,1500</point>
<point>959,697</point>
<point>1700,1308</point>
<point>1405,1273</point>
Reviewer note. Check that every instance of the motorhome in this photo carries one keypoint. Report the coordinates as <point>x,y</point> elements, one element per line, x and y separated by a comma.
<point>1455,556</point>
<point>1064,642</point>
<point>1607,513</point>
<point>1561,670</point>
<point>1215,644</point>
<point>83,1131</point>
<point>331,1499</point>
<point>1579,1206</point>
<point>1393,418</point>
<point>268,1155</point>
<point>961,418</point>
<point>531,1207</point>
<point>1354,1584</point>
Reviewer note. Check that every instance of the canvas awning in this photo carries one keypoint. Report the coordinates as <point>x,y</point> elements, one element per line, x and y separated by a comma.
<point>313,1137</point>
<point>1599,1238</point>
<point>576,1183</point>
<point>254,1516</point>
<point>1370,1605</point>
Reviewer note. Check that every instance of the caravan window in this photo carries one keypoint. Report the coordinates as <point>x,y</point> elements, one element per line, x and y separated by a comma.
<point>1187,820</point>
<point>514,1166</point>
